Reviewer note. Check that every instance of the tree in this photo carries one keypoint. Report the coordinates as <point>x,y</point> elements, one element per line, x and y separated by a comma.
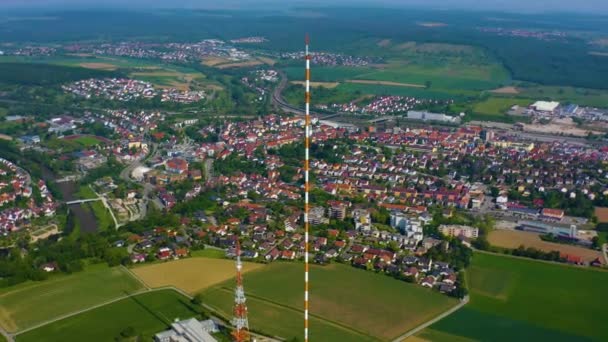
<point>198,299</point>
<point>116,256</point>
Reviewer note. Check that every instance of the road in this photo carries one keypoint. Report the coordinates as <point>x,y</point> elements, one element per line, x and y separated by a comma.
<point>6,335</point>
<point>419,328</point>
<point>277,97</point>
<point>279,102</point>
<point>125,174</point>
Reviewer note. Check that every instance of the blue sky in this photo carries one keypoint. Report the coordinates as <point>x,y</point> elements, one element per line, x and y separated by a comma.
<point>590,6</point>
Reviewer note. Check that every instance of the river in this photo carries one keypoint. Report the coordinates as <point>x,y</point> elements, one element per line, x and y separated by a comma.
<point>85,216</point>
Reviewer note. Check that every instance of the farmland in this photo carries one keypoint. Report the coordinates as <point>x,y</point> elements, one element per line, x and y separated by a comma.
<point>183,79</point>
<point>514,238</point>
<point>208,272</point>
<point>334,301</point>
<point>25,305</point>
<point>580,96</point>
<point>439,70</point>
<point>147,313</point>
<point>318,84</point>
<point>159,74</point>
<point>498,106</point>
<point>514,299</point>
<point>277,320</point>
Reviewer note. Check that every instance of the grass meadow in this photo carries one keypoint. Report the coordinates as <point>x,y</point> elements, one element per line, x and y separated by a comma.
<point>31,303</point>
<point>524,300</point>
<point>369,304</point>
<point>148,313</point>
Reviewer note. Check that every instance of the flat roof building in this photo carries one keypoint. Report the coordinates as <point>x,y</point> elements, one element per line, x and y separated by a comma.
<point>545,106</point>
<point>189,330</point>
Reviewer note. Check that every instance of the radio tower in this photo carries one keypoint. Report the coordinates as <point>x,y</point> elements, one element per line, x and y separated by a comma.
<point>240,322</point>
<point>306,187</point>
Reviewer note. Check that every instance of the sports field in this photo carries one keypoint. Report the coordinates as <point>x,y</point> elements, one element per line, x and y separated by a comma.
<point>31,303</point>
<point>87,140</point>
<point>368,304</point>
<point>191,275</point>
<point>524,300</point>
<point>148,313</point>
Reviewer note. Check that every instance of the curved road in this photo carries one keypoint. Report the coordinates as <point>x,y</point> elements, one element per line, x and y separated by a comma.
<point>278,101</point>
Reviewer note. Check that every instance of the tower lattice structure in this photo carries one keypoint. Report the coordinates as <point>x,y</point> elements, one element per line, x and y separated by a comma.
<point>240,321</point>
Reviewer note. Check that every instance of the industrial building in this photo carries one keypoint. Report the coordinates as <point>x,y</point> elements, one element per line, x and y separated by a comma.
<point>545,106</point>
<point>189,330</point>
<point>428,116</point>
<point>568,231</point>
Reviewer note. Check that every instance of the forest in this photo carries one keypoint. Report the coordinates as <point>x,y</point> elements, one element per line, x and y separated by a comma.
<point>46,74</point>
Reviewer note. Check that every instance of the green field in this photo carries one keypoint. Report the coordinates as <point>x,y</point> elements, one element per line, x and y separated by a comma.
<point>28,304</point>
<point>443,70</point>
<point>281,321</point>
<point>84,192</point>
<point>498,105</point>
<point>148,313</point>
<point>121,62</point>
<point>160,74</point>
<point>580,96</point>
<point>373,308</point>
<point>209,253</point>
<point>524,300</point>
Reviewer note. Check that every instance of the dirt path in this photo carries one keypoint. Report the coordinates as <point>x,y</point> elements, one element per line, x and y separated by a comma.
<point>419,328</point>
<point>387,83</point>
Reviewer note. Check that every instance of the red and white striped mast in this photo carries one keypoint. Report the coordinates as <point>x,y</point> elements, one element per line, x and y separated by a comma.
<point>308,134</point>
<point>240,321</point>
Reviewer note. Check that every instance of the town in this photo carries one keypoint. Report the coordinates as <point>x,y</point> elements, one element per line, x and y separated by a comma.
<point>286,173</point>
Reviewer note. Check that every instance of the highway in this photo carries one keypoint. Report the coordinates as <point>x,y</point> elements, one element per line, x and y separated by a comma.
<point>279,102</point>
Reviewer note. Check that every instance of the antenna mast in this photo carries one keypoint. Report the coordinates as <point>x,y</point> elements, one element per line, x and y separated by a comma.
<point>240,322</point>
<point>306,188</point>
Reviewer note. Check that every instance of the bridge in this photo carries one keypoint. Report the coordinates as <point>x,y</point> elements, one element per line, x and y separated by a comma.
<point>83,201</point>
<point>68,179</point>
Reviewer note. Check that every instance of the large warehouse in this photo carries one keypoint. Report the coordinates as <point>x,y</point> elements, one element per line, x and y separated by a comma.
<point>545,106</point>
